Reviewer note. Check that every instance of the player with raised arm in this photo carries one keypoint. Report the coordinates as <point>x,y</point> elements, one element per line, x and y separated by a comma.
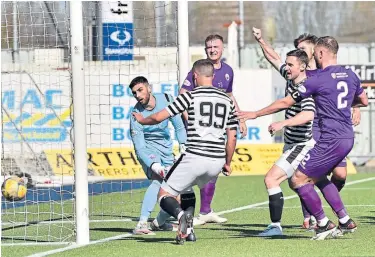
<point>223,80</point>
<point>211,118</point>
<point>306,42</point>
<point>297,137</point>
<point>335,90</point>
<point>154,149</point>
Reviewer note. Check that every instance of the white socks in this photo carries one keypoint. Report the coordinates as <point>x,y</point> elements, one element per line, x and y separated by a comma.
<point>323,222</point>
<point>344,219</point>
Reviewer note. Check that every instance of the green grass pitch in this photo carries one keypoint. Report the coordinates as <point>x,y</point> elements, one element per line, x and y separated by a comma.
<point>238,236</point>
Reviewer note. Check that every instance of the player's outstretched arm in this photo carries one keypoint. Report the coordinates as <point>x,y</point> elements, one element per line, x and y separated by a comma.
<point>300,119</point>
<point>243,127</point>
<point>276,106</point>
<point>267,49</point>
<point>178,106</point>
<point>152,119</point>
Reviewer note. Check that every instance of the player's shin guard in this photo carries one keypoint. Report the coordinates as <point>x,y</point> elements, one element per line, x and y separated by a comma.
<point>171,206</point>
<point>339,183</point>
<point>188,202</point>
<point>188,205</point>
<point>332,197</point>
<point>276,204</point>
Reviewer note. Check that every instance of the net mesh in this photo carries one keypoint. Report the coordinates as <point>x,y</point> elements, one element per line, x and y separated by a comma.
<point>122,40</point>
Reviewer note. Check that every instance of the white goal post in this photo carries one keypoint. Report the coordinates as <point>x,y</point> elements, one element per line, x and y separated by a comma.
<point>65,109</point>
<point>79,116</point>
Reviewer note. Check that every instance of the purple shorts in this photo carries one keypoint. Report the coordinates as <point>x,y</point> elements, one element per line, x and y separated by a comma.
<point>316,136</point>
<point>324,156</point>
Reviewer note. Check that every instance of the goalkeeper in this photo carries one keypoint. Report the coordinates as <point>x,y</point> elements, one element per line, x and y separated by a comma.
<point>154,149</point>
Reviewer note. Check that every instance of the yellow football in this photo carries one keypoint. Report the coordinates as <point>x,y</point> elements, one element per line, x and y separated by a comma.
<point>14,189</point>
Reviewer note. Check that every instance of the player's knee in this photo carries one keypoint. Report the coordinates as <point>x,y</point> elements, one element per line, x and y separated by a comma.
<point>299,179</point>
<point>274,177</point>
<point>270,181</point>
<point>162,193</point>
<point>339,173</point>
<point>290,183</point>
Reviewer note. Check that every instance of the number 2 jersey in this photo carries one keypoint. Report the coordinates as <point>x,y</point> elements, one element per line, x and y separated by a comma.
<point>333,90</point>
<point>210,113</point>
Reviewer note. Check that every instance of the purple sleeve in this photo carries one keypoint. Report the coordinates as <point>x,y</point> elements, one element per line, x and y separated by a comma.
<point>230,86</point>
<point>309,88</point>
<point>306,90</point>
<point>188,82</point>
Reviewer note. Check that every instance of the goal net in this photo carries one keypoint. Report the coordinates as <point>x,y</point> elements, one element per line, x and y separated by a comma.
<point>122,40</point>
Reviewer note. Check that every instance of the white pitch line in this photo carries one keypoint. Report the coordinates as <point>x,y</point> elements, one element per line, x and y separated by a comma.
<point>360,188</point>
<point>324,206</point>
<point>288,197</point>
<point>74,246</point>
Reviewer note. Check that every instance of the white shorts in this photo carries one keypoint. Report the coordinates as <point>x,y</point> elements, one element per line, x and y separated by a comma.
<point>190,170</point>
<point>292,155</point>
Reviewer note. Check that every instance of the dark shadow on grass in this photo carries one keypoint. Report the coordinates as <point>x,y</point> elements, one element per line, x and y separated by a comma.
<point>367,220</point>
<point>252,233</point>
<point>259,225</point>
<point>120,230</point>
<point>151,239</point>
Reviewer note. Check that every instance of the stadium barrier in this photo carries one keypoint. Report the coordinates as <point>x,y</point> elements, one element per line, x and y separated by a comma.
<point>121,163</point>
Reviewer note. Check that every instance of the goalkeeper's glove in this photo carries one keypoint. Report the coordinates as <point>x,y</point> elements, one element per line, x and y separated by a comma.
<point>158,169</point>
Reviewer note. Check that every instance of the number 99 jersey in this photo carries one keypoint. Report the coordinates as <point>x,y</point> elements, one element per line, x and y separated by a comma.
<point>210,113</point>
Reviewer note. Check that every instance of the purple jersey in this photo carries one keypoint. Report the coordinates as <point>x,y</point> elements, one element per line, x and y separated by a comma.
<point>223,79</point>
<point>316,129</point>
<point>333,90</point>
<point>310,73</point>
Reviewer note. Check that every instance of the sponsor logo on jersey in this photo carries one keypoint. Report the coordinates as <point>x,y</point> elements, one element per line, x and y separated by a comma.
<point>187,83</point>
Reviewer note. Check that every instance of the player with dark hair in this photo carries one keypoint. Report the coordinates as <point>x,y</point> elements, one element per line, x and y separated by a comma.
<point>223,81</point>
<point>297,137</point>
<point>211,118</point>
<point>335,90</point>
<point>307,43</point>
<point>154,149</point>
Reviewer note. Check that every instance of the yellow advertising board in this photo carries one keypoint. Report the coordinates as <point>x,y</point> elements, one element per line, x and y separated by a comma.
<point>249,159</point>
<point>105,162</point>
<point>257,159</point>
